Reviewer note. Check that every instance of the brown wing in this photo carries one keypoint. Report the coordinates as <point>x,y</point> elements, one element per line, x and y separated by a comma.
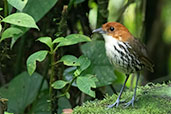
<point>141,52</point>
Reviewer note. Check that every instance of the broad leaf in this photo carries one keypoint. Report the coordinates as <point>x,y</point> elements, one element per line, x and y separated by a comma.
<point>41,106</point>
<point>47,41</point>
<point>85,84</point>
<point>18,4</point>
<point>69,60</point>
<point>68,74</point>
<point>100,66</point>
<point>21,19</point>
<point>10,32</point>
<point>38,8</point>
<point>73,39</point>
<point>31,61</point>
<point>15,38</point>
<point>36,12</point>
<point>59,84</point>
<point>59,39</point>
<point>63,103</point>
<point>84,64</point>
<point>22,91</point>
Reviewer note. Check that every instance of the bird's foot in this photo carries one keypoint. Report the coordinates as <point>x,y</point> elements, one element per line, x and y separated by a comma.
<point>130,102</point>
<point>114,104</point>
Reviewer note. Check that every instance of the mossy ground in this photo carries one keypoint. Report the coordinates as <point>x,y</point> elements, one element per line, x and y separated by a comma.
<point>153,99</point>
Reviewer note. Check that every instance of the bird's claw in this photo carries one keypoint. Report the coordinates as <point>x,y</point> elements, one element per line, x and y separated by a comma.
<point>114,104</point>
<point>129,103</point>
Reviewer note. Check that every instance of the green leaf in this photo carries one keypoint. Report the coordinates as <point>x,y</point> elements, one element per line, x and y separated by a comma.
<point>67,95</point>
<point>84,64</point>
<point>21,19</point>
<point>18,4</point>
<point>10,32</point>
<point>93,77</point>
<point>59,39</point>
<point>36,12</point>
<point>38,8</point>
<point>73,39</point>
<point>41,105</point>
<point>68,75</point>
<point>15,38</point>
<point>69,60</point>
<point>31,61</point>
<point>63,103</point>
<point>59,84</point>
<point>8,113</point>
<point>1,9</point>
<point>47,41</point>
<point>22,91</point>
<point>100,65</point>
<point>85,84</point>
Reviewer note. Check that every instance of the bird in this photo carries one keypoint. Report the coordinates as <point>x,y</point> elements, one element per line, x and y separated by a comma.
<point>126,53</point>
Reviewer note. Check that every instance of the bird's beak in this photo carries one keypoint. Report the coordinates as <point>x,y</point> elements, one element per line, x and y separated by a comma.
<point>99,30</point>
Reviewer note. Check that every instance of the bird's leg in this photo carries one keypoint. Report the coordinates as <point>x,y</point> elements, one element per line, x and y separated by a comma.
<point>133,98</point>
<point>118,99</point>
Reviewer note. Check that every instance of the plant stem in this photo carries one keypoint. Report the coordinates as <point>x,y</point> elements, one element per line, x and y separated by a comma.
<point>5,11</point>
<point>51,92</point>
<point>67,89</point>
<point>52,72</point>
<point>70,85</point>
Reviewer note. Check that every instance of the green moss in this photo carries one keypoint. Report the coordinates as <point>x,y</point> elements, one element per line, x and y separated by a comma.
<point>153,99</point>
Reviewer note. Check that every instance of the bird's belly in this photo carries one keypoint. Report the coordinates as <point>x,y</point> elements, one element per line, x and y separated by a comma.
<point>120,59</point>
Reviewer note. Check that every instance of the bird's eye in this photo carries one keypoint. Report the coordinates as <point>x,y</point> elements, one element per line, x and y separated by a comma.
<point>111,28</point>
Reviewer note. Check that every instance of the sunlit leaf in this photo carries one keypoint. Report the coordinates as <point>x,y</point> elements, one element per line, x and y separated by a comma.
<point>31,61</point>
<point>1,9</point>
<point>59,84</point>
<point>21,19</point>
<point>70,60</point>
<point>93,14</point>
<point>47,41</point>
<point>73,39</point>
<point>57,40</point>
<point>10,32</point>
<point>8,113</point>
<point>18,4</point>
<point>85,84</point>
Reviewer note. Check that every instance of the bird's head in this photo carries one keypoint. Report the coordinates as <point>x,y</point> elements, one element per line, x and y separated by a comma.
<point>116,30</point>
